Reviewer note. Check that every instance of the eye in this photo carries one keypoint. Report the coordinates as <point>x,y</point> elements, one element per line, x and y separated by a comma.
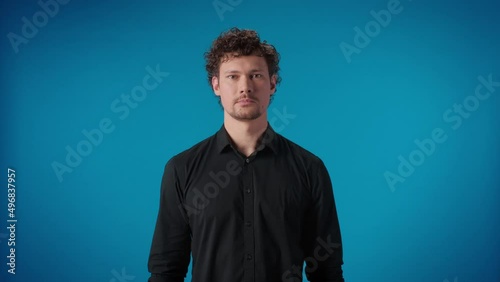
<point>231,76</point>
<point>258,75</point>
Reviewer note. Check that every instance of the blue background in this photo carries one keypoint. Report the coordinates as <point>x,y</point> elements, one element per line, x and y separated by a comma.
<point>441,223</point>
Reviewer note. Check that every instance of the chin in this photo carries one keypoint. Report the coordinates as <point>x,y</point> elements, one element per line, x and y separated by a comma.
<point>246,116</point>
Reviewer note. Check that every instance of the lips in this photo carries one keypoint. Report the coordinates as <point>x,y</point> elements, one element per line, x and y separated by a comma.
<point>246,101</point>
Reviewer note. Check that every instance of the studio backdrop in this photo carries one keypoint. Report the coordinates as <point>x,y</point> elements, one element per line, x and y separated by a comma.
<point>400,99</point>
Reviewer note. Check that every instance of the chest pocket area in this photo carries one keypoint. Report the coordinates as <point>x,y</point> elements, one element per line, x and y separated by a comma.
<point>283,201</point>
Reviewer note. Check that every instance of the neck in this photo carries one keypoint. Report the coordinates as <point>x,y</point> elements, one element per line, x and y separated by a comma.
<point>245,134</point>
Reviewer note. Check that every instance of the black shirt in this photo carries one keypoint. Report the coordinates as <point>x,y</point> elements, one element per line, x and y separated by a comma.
<point>246,219</point>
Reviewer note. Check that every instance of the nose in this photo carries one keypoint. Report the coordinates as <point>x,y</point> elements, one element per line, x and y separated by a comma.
<point>245,85</point>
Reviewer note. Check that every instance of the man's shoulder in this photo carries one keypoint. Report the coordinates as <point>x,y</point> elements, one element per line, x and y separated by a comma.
<point>194,151</point>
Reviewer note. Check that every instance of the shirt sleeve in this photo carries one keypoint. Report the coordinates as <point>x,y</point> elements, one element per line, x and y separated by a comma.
<point>322,231</point>
<point>171,246</point>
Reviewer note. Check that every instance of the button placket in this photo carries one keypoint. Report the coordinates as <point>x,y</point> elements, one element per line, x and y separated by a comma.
<point>248,219</point>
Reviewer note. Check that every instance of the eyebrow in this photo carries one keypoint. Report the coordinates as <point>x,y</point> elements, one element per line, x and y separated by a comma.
<point>235,71</point>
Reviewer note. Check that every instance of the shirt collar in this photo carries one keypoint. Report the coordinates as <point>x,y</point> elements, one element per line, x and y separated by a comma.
<point>268,139</point>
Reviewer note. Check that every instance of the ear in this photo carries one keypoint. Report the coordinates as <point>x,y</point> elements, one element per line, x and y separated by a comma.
<point>215,85</point>
<point>273,84</point>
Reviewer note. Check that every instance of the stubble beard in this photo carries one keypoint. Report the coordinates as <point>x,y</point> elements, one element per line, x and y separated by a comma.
<point>245,113</point>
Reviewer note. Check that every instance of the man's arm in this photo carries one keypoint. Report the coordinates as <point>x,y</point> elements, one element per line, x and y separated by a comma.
<point>322,231</point>
<point>171,247</point>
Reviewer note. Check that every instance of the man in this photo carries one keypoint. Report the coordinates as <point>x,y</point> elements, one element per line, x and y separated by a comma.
<point>249,204</point>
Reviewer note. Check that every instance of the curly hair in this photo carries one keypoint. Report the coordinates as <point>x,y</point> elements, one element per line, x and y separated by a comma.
<point>244,42</point>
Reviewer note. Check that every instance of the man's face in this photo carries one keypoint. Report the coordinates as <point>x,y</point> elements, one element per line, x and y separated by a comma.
<point>244,87</point>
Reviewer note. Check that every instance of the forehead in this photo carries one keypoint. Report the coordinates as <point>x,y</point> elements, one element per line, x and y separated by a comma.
<point>243,62</point>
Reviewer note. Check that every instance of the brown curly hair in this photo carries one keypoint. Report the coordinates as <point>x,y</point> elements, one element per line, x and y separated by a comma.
<point>242,42</point>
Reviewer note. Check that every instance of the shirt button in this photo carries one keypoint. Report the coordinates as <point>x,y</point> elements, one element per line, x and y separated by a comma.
<point>249,257</point>
<point>248,223</point>
<point>249,190</point>
<point>247,160</point>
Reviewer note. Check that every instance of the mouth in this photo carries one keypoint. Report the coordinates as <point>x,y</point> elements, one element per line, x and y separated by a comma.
<point>245,101</point>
